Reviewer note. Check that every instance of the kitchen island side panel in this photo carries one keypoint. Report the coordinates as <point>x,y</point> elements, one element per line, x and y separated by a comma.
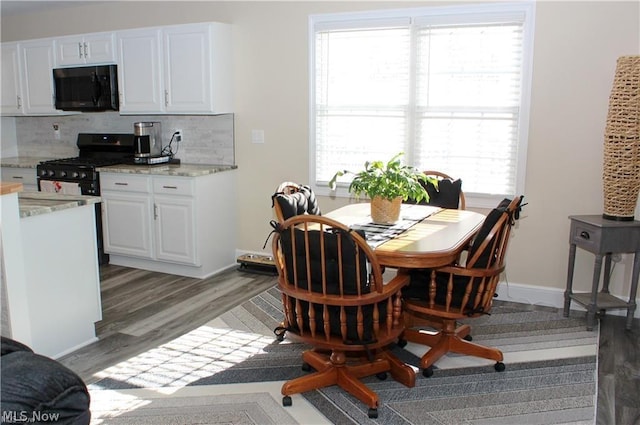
<point>62,279</point>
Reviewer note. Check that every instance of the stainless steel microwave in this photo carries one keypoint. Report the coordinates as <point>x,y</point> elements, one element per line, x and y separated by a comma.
<point>86,88</point>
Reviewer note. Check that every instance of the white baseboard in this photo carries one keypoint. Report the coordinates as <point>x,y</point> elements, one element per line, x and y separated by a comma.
<point>545,296</point>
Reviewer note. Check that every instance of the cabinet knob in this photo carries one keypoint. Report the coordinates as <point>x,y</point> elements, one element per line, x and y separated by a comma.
<point>585,235</point>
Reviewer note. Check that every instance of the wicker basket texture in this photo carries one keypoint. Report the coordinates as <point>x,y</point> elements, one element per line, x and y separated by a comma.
<point>385,211</point>
<point>621,169</point>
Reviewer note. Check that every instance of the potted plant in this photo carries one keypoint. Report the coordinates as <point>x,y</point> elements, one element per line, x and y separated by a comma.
<point>387,185</point>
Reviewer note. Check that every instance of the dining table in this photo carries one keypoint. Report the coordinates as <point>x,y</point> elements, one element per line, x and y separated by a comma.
<point>424,237</point>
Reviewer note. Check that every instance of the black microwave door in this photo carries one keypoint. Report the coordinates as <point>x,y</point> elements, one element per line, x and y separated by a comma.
<point>84,89</point>
<point>96,88</point>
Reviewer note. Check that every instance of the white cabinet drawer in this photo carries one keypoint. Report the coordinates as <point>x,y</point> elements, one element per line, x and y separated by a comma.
<point>174,186</point>
<point>26,176</point>
<point>124,182</point>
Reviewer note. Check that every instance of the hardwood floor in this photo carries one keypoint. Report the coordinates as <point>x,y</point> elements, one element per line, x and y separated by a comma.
<point>142,310</point>
<point>618,372</point>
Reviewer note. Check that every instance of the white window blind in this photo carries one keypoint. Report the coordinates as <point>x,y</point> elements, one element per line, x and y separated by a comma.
<point>448,86</point>
<point>361,86</point>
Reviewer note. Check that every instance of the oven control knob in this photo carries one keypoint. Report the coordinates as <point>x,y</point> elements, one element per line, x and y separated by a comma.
<point>51,173</point>
<point>75,174</point>
<point>83,175</point>
<point>63,174</point>
<point>43,172</point>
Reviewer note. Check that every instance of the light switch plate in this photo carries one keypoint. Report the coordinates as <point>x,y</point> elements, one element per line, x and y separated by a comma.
<point>257,136</point>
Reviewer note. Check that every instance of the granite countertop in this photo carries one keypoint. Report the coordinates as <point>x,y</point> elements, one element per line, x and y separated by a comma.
<point>182,170</point>
<point>36,203</point>
<point>23,161</point>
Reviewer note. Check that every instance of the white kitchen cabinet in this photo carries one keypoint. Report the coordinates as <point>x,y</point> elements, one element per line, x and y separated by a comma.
<point>27,79</point>
<point>139,71</point>
<point>126,212</point>
<point>144,223</point>
<point>11,80</point>
<point>149,217</point>
<point>181,69</point>
<point>179,225</point>
<point>37,64</point>
<point>132,233</point>
<point>26,176</point>
<point>174,214</point>
<point>87,49</point>
<point>175,238</point>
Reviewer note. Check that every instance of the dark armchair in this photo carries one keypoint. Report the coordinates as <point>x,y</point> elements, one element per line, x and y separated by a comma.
<point>437,298</point>
<point>335,300</point>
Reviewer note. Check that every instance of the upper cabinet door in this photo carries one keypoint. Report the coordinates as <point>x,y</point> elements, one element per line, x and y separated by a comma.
<point>89,49</point>
<point>197,64</point>
<point>37,69</point>
<point>11,82</point>
<point>139,71</point>
<point>187,64</point>
<point>181,69</point>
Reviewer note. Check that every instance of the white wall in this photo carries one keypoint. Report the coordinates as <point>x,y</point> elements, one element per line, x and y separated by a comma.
<point>576,47</point>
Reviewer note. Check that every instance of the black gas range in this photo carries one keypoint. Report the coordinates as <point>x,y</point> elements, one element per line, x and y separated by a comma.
<point>79,175</point>
<point>96,150</point>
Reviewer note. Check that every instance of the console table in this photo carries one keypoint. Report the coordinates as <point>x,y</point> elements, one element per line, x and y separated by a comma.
<point>603,238</point>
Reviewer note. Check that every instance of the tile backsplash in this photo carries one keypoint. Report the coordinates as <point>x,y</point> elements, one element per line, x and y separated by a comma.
<point>207,139</point>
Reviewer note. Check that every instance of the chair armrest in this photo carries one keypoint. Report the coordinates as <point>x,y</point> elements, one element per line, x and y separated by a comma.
<point>471,272</point>
<point>396,283</point>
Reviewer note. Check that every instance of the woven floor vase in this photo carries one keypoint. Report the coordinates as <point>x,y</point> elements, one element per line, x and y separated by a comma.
<point>621,169</point>
<point>384,211</point>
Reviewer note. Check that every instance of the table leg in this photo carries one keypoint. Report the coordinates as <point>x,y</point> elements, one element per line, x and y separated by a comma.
<point>567,292</point>
<point>607,273</point>
<point>591,308</point>
<point>634,289</point>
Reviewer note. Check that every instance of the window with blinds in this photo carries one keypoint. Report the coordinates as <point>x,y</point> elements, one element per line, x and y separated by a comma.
<point>447,86</point>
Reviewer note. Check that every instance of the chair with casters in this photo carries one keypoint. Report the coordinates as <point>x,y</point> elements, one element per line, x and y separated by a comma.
<point>335,300</point>
<point>438,298</point>
<point>291,199</point>
<point>448,194</point>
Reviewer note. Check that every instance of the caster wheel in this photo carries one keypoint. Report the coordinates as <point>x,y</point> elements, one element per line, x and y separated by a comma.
<point>428,372</point>
<point>381,376</point>
<point>286,401</point>
<point>401,343</point>
<point>499,367</point>
<point>468,338</point>
<point>306,367</point>
<point>373,413</point>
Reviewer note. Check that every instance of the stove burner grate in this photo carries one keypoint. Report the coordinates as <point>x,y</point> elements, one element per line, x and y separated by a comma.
<point>81,161</point>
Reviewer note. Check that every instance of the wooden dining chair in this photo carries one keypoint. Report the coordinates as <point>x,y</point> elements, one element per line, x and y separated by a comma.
<point>335,300</point>
<point>292,199</point>
<point>438,298</point>
<point>448,193</point>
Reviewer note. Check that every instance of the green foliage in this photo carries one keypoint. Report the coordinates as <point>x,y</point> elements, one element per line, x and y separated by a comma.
<point>388,180</point>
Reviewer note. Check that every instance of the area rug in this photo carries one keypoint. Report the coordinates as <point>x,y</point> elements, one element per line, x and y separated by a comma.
<point>230,371</point>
